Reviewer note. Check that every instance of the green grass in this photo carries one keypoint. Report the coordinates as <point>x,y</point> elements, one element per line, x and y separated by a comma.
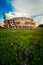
<point>14,44</point>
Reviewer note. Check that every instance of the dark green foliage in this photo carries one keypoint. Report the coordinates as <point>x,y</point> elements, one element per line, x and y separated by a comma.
<point>21,47</point>
<point>41,25</point>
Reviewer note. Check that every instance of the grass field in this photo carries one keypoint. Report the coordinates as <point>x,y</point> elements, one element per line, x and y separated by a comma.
<point>21,47</point>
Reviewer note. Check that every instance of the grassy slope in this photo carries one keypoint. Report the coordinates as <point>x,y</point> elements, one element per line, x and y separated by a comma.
<point>9,39</point>
<point>20,35</point>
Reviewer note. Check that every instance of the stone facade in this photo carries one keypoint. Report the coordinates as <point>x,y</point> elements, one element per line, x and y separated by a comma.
<point>19,22</point>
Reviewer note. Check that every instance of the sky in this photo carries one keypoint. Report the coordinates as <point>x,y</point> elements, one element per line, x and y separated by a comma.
<point>22,8</point>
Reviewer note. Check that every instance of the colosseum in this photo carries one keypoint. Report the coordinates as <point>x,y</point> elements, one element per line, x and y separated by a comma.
<point>19,22</point>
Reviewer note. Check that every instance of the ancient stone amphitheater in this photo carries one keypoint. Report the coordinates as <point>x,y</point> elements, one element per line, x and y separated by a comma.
<point>19,22</point>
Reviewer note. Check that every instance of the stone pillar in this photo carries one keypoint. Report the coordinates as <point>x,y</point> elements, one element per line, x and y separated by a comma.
<point>5,20</point>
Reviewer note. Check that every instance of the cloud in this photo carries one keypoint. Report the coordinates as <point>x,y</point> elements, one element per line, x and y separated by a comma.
<point>11,15</point>
<point>39,20</point>
<point>27,8</point>
<point>1,20</point>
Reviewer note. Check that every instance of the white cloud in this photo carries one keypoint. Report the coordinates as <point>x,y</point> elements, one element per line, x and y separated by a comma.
<point>11,15</point>
<point>1,20</point>
<point>39,20</point>
<point>27,8</point>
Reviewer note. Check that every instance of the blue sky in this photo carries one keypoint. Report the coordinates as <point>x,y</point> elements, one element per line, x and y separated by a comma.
<point>4,7</point>
<point>22,8</point>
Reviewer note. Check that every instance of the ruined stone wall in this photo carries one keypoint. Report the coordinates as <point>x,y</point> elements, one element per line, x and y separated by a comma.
<point>21,23</point>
